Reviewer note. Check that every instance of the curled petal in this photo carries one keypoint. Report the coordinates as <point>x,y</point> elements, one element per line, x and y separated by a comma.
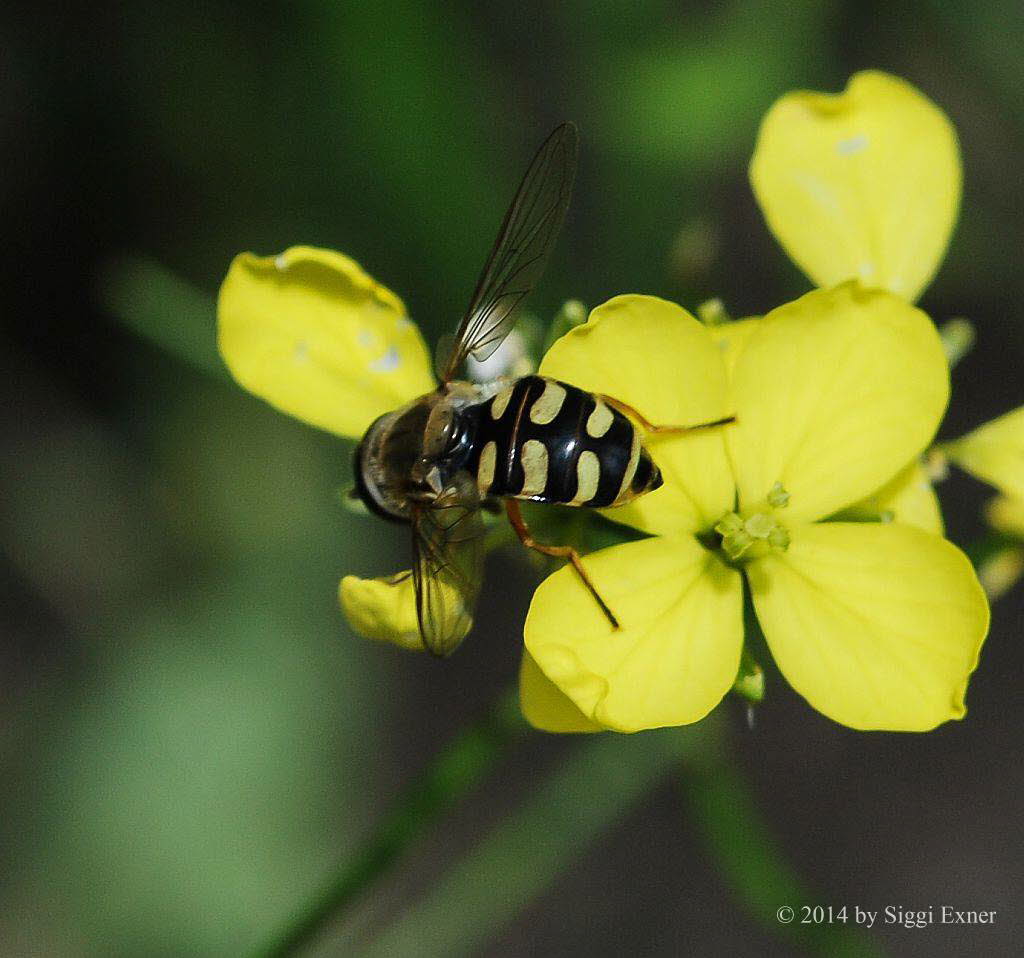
<point>877,626</point>
<point>909,498</point>
<point>835,393</point>
<point>383,609</point>
<point>863,185</point>
<point>545,706</point>
<point>995,452</point>
<point>319,339</point>
<point>654,356</point>
<point>677,651</point>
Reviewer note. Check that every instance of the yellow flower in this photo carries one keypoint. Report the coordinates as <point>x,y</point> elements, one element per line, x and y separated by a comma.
<point>319,339</point>
<point>994,452</point>
<point>861,185</point>
<point>877,625</point>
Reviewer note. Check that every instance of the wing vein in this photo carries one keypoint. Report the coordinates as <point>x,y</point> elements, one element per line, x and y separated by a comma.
<point>520,252</point>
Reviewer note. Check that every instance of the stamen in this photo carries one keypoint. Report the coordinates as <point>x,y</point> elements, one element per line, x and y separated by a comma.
<point>778,498</point>
<point>759,531</point>
<point>760,525</point>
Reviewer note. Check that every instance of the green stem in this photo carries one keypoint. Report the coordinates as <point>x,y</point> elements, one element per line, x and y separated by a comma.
<point>161,307</point>
<point>454,773</point>
<point>751,864</point>
<point>566,811</point>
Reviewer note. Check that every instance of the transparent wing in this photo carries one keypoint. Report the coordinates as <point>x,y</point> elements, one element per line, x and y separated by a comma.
<point>447,568</point>
<point>519,255</point>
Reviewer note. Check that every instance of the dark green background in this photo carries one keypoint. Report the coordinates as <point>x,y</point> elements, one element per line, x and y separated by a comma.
<point>190,736</point>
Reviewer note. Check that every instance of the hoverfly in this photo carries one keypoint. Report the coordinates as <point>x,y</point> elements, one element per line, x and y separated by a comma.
<point>434,462</point>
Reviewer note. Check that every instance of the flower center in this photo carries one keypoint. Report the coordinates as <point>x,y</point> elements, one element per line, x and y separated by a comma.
<point>756,532</point>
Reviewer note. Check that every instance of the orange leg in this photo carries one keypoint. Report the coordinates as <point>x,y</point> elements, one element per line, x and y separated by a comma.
<point>515,516</point>
<point>650,427</point>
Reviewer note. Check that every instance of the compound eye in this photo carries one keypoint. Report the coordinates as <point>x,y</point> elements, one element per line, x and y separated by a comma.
<point>449,437</point>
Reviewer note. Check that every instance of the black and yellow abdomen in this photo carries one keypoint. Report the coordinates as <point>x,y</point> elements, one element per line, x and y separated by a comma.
<point>547,441</point>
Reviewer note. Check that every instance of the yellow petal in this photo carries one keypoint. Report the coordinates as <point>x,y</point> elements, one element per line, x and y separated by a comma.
<point>1006,514</point>
<point>994,452</point>
<point>383,609</point>
<point>877,626</point>
<point>319,339</point>
<point>654,356</point>
<point>544,705</point>
<point>835,393</point>
<point>908,498</point>
<point>863,185</point>
<point>677,651</point>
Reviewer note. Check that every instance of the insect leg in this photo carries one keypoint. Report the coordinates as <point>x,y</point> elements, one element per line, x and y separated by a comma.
<point>641,420</point>
<point>515,516</point>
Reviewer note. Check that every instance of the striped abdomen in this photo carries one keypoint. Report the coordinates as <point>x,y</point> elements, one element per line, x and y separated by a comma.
<point>544,440</point>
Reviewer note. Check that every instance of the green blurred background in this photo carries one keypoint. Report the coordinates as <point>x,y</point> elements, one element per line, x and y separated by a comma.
<point>191,739</point>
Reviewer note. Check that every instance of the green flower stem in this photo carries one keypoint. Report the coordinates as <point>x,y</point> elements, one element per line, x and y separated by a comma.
<point>523,855</point>
<point>164,309</point>
<point>739,839</point>
<point>454,773</point>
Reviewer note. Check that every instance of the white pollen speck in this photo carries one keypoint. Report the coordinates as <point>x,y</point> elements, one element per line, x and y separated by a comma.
<point>365,338</point>
<point>866,270</point>
<point>388,362</point>
<point>280,262</point>
<point>855,144</point>
<point>302,351</point>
